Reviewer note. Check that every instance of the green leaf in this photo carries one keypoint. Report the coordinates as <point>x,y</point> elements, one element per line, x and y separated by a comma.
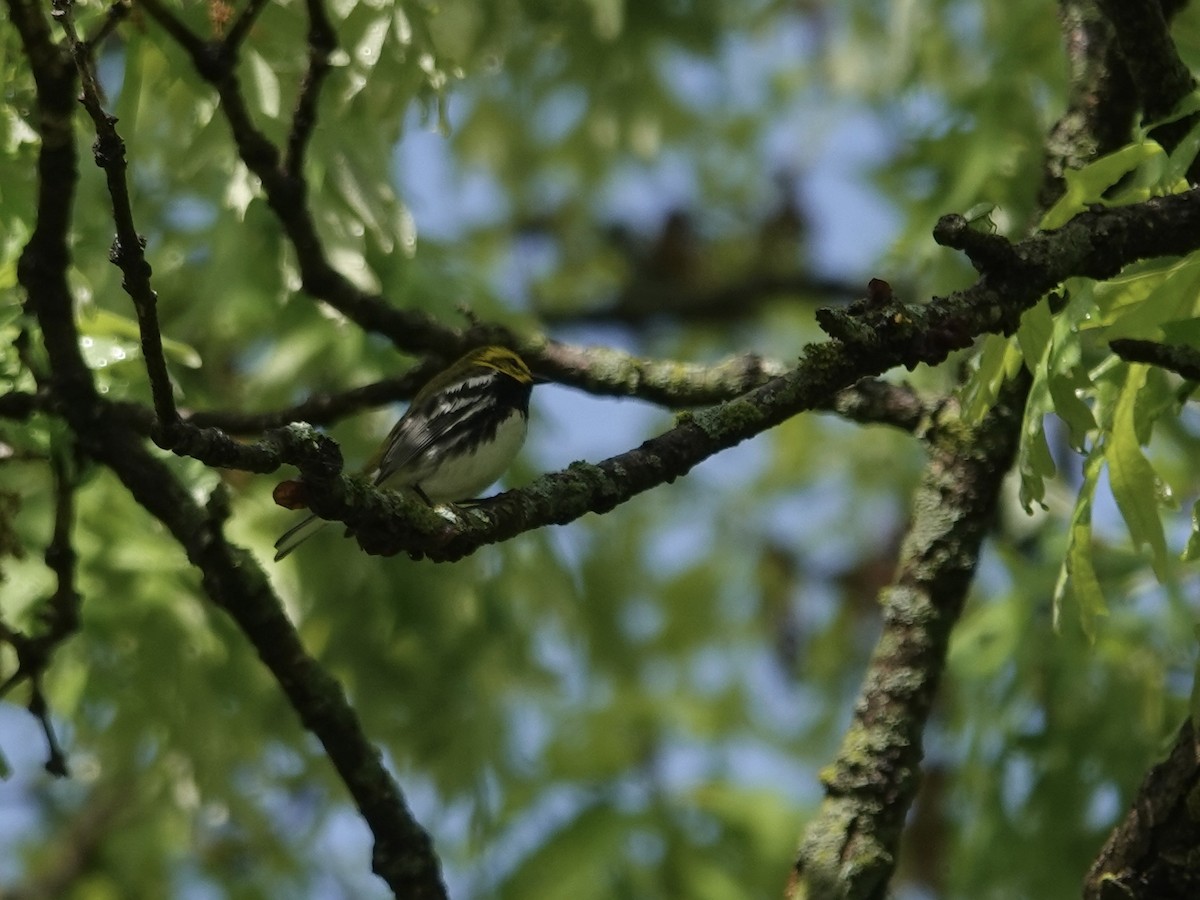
<point>1034,461</point>
<point>114,331</point>
<point>1078,574</point>
<point>999,359</point>
<point>1172,293</point>
<point>1192,551</point>
<point>1134,482</point>
<point>263,83</point>
<point>1088,185</point>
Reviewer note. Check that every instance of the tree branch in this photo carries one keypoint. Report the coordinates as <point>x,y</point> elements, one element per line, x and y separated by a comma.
<point>128,249</point>
<point>1175,358</point>
<point>403,855</point>
<point>871,337</point>
<point>1161,77</point>
<point>322,41</point>
<point>58,616</point>
<point>1151,854</point>
<point>117,11</point>
<point>849,848</point>
<point>241,27</point>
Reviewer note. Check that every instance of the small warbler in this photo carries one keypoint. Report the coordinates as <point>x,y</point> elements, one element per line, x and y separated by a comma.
<point>459,434</point>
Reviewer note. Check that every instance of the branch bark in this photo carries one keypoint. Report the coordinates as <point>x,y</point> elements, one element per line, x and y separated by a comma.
<point>849,848</point>
<point>1151,855</point>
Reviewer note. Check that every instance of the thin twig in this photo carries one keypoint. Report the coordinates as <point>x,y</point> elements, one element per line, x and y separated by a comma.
<point>116,14</point>
<point>128,248</point>
<point>241,27</point>
<point>176,28</point>
<point>322,41</point>
<point>1176,358</point>
<point>59,616</point>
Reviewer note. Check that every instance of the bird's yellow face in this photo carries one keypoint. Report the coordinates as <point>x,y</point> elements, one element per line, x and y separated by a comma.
<point>504,361</point>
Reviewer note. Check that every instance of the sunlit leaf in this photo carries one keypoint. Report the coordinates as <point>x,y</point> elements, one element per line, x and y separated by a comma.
<point>1088,184</point>
<point>1134,482</point>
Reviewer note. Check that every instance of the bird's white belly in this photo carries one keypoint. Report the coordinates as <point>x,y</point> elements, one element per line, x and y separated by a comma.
<point>465,477</point>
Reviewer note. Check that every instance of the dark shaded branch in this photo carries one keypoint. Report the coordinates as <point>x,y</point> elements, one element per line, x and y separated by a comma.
<point>1176,358</point>
<point>18,405</point>
<point>1161,78</point>
<point>43,263</point>
<point>178,30</point>
<point>58,616</point>
<point>403,855</point>
<point>128,249</point>
<point>849,848</point>
<point>322,41</point>
<point>1151,854</point>
<point>116,14</point>
<point>241,27</point>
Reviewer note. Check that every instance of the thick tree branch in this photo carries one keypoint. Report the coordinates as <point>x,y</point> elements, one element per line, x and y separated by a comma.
<point>1161,78</point>
<point>1102,103</point>
<point>849,848</point>
<point>871,337</point>
<point>45,257</point>
<point>1151,854</point>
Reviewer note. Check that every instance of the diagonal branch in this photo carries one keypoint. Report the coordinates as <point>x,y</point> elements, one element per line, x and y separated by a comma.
<point>849,847</point>
<point>1161,77</point>
<point>403,855</point>
<point>240,29</point>
<point>117,11</point>
<point>321,43</point>
<point>871,337</point>
<point>128,249</point>
<point>1151,853</point>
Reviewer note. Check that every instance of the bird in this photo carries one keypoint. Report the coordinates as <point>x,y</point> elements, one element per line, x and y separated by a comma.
<point>460,433</point>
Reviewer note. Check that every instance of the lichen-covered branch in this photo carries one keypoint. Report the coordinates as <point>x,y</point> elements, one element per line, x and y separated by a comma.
<point>871,337</point>
<point>849,848</point>
<point>1151,854</point>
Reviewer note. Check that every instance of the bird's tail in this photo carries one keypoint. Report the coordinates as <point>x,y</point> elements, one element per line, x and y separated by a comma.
<point>297,535</point>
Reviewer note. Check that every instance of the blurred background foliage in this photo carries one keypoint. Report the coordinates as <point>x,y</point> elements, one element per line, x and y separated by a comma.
<point>635,705</point>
